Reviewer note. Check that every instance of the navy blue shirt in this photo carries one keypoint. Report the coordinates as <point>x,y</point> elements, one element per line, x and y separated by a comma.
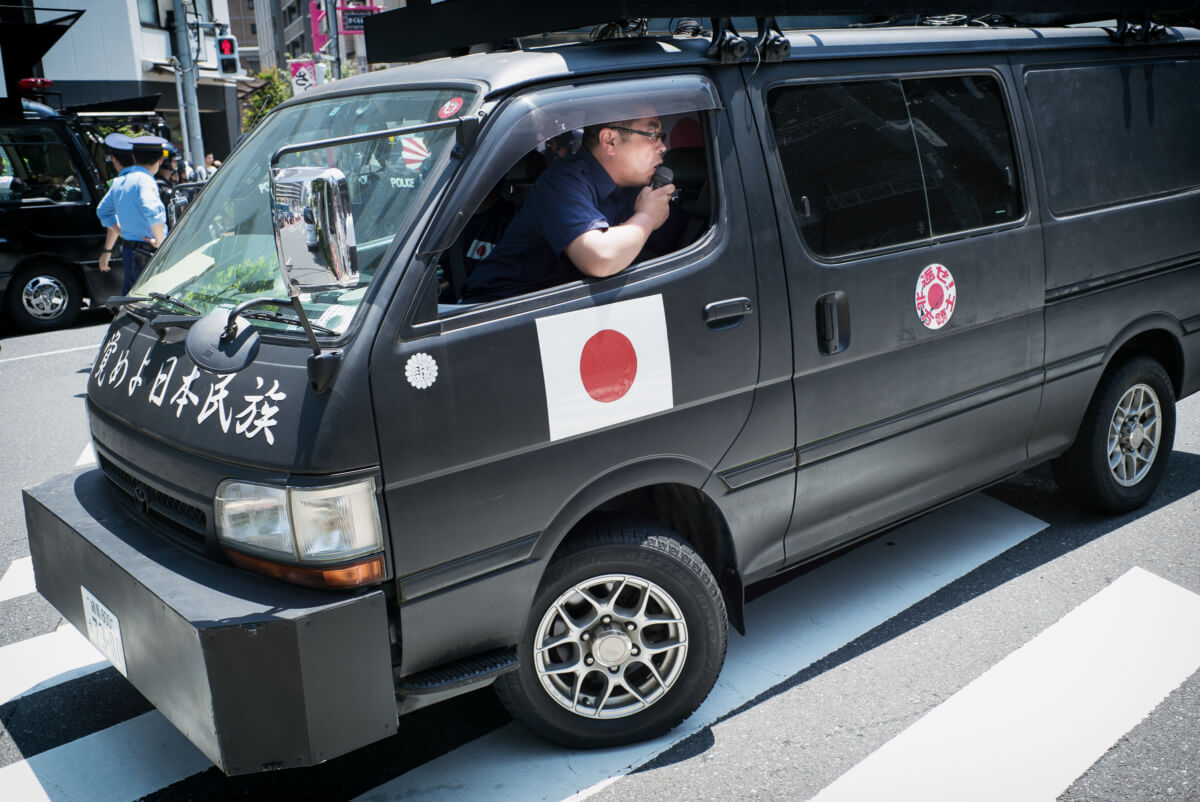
<point>574,196</point>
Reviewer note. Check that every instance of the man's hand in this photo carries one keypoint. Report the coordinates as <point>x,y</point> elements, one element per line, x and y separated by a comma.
<point>104,262</point>
<point>656,203</point>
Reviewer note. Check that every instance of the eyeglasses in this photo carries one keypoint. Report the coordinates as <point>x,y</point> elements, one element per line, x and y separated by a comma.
<point>656,136</point>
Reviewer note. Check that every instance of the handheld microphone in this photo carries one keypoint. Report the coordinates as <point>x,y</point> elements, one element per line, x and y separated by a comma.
<point>662,177</point>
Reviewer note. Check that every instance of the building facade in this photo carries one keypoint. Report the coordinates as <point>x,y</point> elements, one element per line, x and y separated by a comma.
<point>122,49</point>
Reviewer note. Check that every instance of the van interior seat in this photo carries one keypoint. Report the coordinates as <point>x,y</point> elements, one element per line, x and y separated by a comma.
<point>521,176</point>
<point>689,167</point>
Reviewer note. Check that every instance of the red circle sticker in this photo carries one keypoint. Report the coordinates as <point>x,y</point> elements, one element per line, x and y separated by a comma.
<point>936,296</point>
<point>607,365</point>
<point>450,107</point>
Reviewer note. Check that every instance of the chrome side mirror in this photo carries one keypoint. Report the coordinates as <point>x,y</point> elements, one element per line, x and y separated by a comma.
<point>314,229</point>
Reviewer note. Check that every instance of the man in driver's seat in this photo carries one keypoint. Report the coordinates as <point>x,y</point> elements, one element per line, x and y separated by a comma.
<point>590,214</point>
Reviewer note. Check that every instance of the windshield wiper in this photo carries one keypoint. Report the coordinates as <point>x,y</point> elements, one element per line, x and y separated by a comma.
<point>158,320</point>
<point>117,301</point>
<point>278,317</point>
<point>158,296</point>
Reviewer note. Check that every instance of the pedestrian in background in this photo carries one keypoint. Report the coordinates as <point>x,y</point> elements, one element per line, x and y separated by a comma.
<point>132,208</point>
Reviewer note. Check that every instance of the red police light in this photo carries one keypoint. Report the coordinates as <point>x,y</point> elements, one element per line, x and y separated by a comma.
<point>35,83</point>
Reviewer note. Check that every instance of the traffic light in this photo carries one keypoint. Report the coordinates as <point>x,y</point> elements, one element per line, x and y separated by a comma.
<point>227,56</point>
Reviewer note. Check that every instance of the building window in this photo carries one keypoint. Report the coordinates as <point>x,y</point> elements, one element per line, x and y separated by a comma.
<point>148,13</point>
<point>253,29</point>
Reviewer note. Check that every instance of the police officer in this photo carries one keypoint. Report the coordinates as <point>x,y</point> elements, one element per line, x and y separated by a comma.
<point>132,208</point>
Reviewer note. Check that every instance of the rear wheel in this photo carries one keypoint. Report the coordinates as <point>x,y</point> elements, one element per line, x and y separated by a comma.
<point>625,639</point>
<point>1123,445</point>
<point>43,297</point>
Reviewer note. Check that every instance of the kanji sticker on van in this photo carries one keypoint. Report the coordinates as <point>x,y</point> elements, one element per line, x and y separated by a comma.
<point>605,365</point>
<point>936,296</point>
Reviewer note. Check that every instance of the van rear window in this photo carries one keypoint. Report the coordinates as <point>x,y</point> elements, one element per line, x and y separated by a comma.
<point>1115,133</point>
<point>873,164</point>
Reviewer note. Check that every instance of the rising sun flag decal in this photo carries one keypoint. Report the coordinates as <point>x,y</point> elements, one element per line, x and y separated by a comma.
<point>605,365</point>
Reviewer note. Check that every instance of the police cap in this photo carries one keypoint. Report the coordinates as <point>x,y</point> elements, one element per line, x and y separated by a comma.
<point>147,144</point>
<point>118,142</point>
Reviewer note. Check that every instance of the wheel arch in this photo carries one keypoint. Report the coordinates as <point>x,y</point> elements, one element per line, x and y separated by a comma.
<point>32,260</point>
<point>665,491</point>
<point>1157,336</point>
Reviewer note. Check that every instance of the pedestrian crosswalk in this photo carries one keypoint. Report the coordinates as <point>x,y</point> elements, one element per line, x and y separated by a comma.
<point>1037,720</point>
<point>789,629</point>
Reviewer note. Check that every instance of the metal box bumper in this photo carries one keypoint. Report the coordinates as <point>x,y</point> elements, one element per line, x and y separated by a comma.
<point>256,673</point>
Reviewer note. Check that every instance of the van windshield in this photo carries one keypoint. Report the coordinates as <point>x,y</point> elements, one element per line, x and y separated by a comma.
<point>224,251</point>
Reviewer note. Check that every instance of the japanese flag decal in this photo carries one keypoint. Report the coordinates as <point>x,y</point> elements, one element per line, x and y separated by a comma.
<point>605,365</point>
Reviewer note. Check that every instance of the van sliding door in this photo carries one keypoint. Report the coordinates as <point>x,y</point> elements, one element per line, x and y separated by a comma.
<point>915,279</point>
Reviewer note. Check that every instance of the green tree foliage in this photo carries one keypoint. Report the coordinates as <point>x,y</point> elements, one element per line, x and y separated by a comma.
<point>276,90</point>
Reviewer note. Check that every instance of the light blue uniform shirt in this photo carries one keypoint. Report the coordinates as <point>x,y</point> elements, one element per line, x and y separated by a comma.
<point>134,202</point>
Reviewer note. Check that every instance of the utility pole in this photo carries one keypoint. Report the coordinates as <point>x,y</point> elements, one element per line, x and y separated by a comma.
<point>193,145</point>
<point>337,39</point>
<point>178,68</point>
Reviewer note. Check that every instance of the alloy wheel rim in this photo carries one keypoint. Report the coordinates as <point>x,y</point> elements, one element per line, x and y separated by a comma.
<point>1134,434</point>
<point>610,646</point>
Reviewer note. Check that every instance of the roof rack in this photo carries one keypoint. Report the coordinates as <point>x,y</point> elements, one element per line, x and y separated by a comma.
<point>424,29</point>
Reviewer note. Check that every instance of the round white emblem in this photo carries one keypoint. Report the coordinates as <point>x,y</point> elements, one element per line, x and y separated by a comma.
<point>421,371</point>
<point>936,296</point>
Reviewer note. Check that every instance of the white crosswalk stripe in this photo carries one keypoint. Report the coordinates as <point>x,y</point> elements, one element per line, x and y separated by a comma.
<point>47,660</point>
<point>18,579</point>
<point>117,764</point>
<point>1027,728</point>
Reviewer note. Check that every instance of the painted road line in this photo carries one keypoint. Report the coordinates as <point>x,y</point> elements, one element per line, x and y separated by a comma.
<point>118,764</point>
<point>95,347</point>
<point>1038,719</point>
<point>790,628</point>
<point>39,663</point>
<point>18,579</point>
<point>88,457</point>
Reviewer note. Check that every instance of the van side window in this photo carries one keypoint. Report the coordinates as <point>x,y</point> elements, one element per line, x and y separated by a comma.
<point>687,156</point>
<point>872,164</point>
<point>1133,138</point>
<point>966,151</point>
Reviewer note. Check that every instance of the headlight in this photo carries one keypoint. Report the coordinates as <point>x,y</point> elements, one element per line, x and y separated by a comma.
<point>319,525</point>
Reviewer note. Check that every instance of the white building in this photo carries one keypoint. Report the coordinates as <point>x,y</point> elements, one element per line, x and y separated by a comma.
<point>122,49</point>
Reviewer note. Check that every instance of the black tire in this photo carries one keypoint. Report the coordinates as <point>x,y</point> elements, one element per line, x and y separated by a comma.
<point>1139,446</point>
<point>635,565</point>
<point>43,297</point>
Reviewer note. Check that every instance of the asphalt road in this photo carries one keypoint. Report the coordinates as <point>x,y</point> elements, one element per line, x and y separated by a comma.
<point>798,715</point>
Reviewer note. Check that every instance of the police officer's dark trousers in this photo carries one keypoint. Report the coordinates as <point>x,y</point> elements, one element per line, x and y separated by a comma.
<point>134,257</point>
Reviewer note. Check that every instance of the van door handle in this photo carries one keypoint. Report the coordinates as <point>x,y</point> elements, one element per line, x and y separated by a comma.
<point>726,314</point>
<point>833,322</point>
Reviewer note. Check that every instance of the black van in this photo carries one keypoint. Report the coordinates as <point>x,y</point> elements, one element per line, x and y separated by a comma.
<point>52,177</point>
<point>916,260</point>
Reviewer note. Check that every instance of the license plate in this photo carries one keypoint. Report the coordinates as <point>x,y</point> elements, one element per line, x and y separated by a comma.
<point>103,630</point>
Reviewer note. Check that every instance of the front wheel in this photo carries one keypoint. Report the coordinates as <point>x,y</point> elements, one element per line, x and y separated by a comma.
<point>1121,451</point>
<point>44,297</point>
<point>625,639</point>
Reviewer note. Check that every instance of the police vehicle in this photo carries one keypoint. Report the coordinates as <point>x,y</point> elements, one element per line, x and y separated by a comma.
<point>916,260</point>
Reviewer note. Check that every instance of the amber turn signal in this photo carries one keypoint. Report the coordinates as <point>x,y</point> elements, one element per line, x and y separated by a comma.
<point>364,572</point>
